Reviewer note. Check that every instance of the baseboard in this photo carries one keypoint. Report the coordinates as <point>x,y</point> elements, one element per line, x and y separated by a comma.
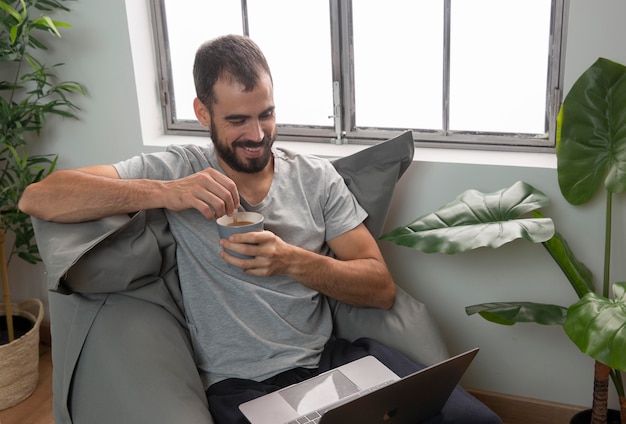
<point>522,410</point>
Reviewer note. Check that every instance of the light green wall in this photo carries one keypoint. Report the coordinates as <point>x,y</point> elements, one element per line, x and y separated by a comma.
<point>523,360</point>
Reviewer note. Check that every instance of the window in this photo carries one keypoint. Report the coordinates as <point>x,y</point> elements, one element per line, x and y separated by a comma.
<point>466,73</point>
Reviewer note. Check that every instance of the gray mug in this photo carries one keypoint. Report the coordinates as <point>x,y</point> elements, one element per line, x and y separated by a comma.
<point>240,222</point>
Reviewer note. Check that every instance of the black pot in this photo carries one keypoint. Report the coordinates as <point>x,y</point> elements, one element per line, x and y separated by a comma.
<point>584,417</point>
<point>21,325</point>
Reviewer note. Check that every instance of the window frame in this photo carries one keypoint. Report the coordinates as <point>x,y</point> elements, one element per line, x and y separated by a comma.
<point>345,130</point>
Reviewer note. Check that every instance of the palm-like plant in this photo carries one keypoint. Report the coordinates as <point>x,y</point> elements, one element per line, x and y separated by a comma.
<point>591,153</point>
<point>27,97</point>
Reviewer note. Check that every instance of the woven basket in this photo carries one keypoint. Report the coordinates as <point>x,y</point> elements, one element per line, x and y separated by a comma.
<point>19,360</point>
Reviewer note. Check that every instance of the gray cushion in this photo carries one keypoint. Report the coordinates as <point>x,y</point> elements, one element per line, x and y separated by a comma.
<point>122,356</point>
<point>372,173</point>
<point>407,327</point>
<point>61,245</point>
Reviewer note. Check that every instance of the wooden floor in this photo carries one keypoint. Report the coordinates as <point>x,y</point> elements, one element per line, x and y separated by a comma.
<point>37,409</point>
<point>521,410</point>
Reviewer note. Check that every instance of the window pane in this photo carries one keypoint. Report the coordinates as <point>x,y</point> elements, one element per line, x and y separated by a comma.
<point>295,37</point>
<point>190,23</point>
<point>499,65</point>
<point>398,63</point>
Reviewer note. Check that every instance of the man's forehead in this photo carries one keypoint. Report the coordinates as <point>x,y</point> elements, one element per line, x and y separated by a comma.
<point>228,79</point>
<point>230,90</point>
<point>232,102</point>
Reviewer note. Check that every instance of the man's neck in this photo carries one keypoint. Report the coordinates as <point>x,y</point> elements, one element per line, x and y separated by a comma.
<point>253,187</point>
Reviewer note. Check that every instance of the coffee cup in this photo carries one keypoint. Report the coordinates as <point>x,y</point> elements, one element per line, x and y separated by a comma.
<point>239,222</point>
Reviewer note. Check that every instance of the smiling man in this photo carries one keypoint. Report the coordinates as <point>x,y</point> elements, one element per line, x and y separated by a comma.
<point>262,323</point>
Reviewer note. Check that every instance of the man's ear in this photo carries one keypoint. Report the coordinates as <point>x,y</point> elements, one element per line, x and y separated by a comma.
<point>202,113</point>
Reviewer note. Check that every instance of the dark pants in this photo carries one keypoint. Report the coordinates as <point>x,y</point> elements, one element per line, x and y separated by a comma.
<point>226,396</point>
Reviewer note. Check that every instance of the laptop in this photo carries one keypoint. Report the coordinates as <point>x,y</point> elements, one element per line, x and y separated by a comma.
<point>363,391</point>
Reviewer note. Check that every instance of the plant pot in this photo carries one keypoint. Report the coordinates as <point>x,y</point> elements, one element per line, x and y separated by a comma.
<point>584,417</point>
<point>19,360</point>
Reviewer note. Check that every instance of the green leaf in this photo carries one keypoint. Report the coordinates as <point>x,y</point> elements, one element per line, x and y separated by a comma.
<point>591,133</point>
<point>509,313</point>
<point>61,24</point>
<point>45,22</point>
<point>11,11</point>
<point>14,30</point>
<point>476,220</point>
<point>51,5</point>
<point>597,325</point>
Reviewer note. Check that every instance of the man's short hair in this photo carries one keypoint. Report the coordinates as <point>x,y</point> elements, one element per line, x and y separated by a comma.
<point>235,57</point>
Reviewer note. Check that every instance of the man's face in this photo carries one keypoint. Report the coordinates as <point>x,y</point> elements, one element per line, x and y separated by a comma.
<point>243,125</point>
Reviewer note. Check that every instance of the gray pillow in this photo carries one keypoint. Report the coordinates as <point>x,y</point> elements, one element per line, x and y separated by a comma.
<point>372,173</point>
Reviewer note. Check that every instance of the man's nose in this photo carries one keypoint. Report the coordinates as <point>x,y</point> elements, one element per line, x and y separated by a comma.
<point>254,130</point>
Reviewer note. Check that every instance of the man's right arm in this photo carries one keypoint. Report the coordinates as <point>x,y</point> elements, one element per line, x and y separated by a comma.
<point>95,192</point>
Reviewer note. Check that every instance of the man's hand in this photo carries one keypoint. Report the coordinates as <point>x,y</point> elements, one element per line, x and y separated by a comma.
<point>210,192</point>
<point>271,255</point>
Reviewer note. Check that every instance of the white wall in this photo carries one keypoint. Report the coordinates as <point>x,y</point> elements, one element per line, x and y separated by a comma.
<point>525,360</point>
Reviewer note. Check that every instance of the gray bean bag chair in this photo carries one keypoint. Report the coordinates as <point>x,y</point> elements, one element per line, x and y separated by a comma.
<point>120,346</point>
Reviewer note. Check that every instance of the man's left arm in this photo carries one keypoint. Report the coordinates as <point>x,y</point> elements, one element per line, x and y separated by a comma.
<point>357,275</point>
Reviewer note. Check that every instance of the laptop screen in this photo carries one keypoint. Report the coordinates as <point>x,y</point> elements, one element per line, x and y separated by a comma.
<point>318,392</point>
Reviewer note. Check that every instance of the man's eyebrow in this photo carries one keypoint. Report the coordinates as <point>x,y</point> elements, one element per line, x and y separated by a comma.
<point>236,117</point>
<point>239,117</point>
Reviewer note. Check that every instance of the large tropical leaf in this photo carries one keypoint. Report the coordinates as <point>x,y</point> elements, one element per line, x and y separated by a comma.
<point>591,133</point>
<point>509,313</point>
<point>597,325</point>
<point>476,220</point>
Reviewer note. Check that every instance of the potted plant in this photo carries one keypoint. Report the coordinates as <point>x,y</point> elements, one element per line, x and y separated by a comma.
<point>591,153</point>
<point>29,94</point>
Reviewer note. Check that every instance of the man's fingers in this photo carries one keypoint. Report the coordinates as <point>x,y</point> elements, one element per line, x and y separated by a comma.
<point>230,186</point>
<point>210,192</point>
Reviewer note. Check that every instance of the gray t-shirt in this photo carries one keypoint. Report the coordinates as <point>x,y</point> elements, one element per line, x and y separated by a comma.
<point>245,326</point>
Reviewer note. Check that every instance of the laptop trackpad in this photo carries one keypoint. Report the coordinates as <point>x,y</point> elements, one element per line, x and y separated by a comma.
<point>318,392</point>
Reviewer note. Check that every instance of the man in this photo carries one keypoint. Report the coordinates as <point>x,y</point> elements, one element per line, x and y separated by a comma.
<point>262,323</point>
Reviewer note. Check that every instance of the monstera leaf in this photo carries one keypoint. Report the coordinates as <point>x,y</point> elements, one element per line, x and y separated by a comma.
<point>596,325</point>
<point>591,133</point>
<point>476,220</point>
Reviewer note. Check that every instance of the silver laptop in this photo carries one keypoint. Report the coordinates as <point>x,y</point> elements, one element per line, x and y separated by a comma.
<point>363,391</point>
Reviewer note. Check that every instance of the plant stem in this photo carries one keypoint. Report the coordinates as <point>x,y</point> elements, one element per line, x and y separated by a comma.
<point>607,243</point>
<point>599,410</point>
<point>5,289</point>
<point>17,73</point>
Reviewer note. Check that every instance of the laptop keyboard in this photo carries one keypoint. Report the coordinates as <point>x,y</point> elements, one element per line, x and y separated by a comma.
<point>313,418</point>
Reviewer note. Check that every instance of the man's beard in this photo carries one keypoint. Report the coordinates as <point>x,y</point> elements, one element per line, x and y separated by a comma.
<point>229,153</point>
